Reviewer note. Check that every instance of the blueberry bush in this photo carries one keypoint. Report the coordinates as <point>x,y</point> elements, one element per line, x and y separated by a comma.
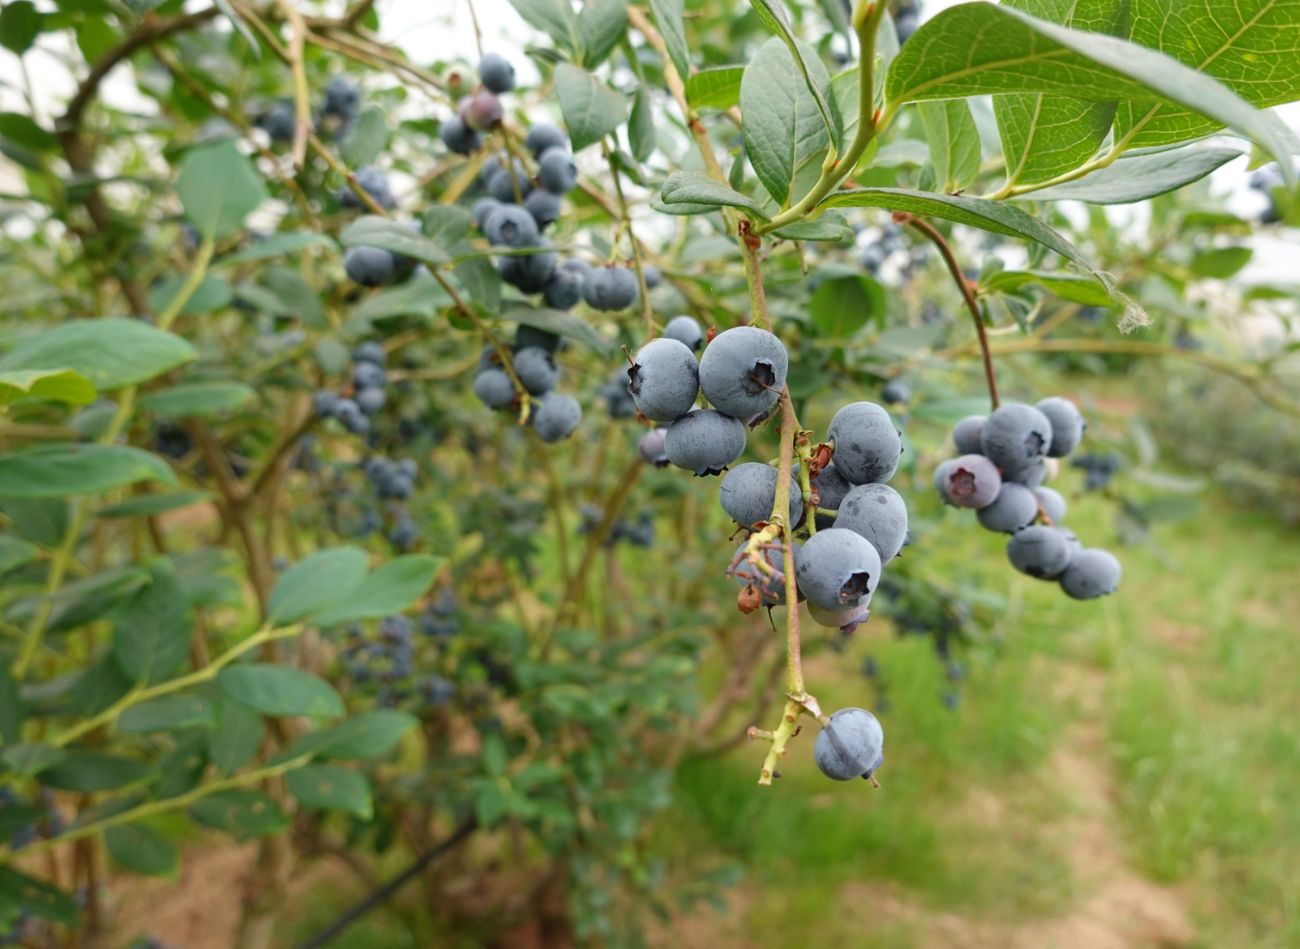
<point>360,411</point>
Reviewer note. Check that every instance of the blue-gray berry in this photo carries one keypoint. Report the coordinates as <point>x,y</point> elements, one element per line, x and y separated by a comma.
<point>1052,503</point>
<point>511,226</point>
<point>831,488</point>
<point>1015,508</point>
<point>536,370</point>
<point>685,330</point>
<point>867,444</point>
<point>652,447</point>
<point>851,745</point>
<point>458,136</point>
<point>1041,552</point>
<point>530,273</point>
<point>371,400</point>
<point>748,492</point>
<point>1067,425</point>
<point>494,388</point>
<point>557,171</point>
<point>1015,437</point>
<point>611,288</point>
<point>496,72</point>
<point>544,206</point>
<point>1091,573</point>
<point>663,380</point>
<point>837,568</point>
<point>971,481</point>
<point>743,370</point>
<point>565,288</point>
<point>555,417</point>
<point>966,434</point>
<point>878,513</point>
<point>370,266</point>
<point>705,441</point>
<point>542,136</point>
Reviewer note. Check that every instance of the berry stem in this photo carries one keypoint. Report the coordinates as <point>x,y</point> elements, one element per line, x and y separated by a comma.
<point>750,244</point>
<point>301,95</point>
<point>967,294</point>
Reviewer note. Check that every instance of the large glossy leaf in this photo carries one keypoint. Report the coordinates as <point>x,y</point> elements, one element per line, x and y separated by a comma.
<point>1020,53</point>
<point>716,88</point>
<point>241,812</point>
<point>601,24</point>
<point>236,738</point>
<point>591,109</point>
<point>67,469</point>
<point>93,771</point>
<point>1046,135</point>
<point>151,632</point>
<point>954,142</point>
<point>1138,177</point>
<point>809,65</point>
<point>167,713</point>
<point>391,588</point>
<point>668,18</point>
<point>1251,46</point>
<point>693,190</point>
<point>782,124</point>
<point>280,690</point>
<point>111,352</point>
<point>315,583</point>
<point>219,187</point>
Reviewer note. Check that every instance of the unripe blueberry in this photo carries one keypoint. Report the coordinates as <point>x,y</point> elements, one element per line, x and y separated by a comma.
<point>1041,552</point>
<point>705,441</point>
<point>511,226</point>
<point>748,492</point>
<point>770,586</point>
<point>611,288</point>
<point>555,417</point>
<point>1015,508</point>
<point>1052,503</point>
<point>831,490</point>
<point>536,370</point>
<point>557,171</point>
<point>544,206</point>
<point>663,380</point>
<point>496,72</point>
<point>966,434</point>
<point>481,110</point>
<point>878,513</point>
<point>851,745</point>
<point>837,568</point>
<point>867,445</point>
<point>971,481</point>
<point>1015,437</point>
<point>370,266</point>
<point>1067,425</point>
<point>494,388</point>
<point>564,289</point>
<point>651,447</point>
<point>1091,573</point>
<point>542,136</point>
<point>743,370</point>
<point>685,330</point>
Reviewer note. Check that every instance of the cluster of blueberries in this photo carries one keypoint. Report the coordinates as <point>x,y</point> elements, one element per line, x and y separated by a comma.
<point>334,116</point>
<point>1005,458</point>
<point>369,391</point>
<point>389,658</point>
<point>638,533</point>
<point>553,416</point>
<point>1098,470</point>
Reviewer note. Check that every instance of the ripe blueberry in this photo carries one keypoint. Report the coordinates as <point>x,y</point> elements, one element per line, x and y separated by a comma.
<point>557,171</point>
<point>1041,552</point>
<point>1015,437</point>
<point>494,388</point>
<point>895,392</point>
<point>367,375</point>
<point>705,441</point>
<point>496,72</point>
<point>1052,503</point>
<point>511,226</point>
<point>837,568</point>
<point>555,416</point>
<point>370,266</point>
<point>1014,509</point>
<point>611,288</point>
<point>529,272</point>
<point>536,370</point>
<point>564,289</point>
<point>966,434</point>
<point>971,481</point>
<point>685,330</point>
<point>371,400</point>
<point>878,513</point>
<point>651,447</point>
<point>831,490</point>
<point>459,137</point>
<point>371,352</point>
<point>526,336</point>
<point>1067,425</point>
<point>851,745</point>
<point>663,380</point>
<point>846,620</point>
<point>542,136</point>
<point>748,492</point>
<point>742,371</point>
<point>544,206</point>
<point>867,445</point>
<point>1091,573</point>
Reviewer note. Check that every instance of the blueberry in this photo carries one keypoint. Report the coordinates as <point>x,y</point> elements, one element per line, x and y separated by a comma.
<point>1041,552</point>
<point>837,568</point>
<point>663,380</point>
<point>850,745</point>
<point>367,375</point>
<point>496,72</point>
<point>618,401</point>
<point>867,445</point>
<point>408,468</point>
<point>846,620</point>
<point>1052,503</point>
<point>1031,476</point>
<point>536,370</point>
<point>511,226</point>
<point>530,273</point>
<point>831,490</point>
<point>685,330</point>
<point>878,513</point>
<point>557,171</point>
<point>542,136</point>
<point>1091,573</point>
<point>342,96</point>
<point>578,265</point>
<point>651,447</point>
<point>483,209</point>
<point>481,110</point>
<point>966,434</point>
<point>544,206</point>
<point>895,392</point>
<point>351,417</point>
<point>371,400</point>
<point>494,388</point>
<point>555,416</point>
<point>1014,509</point>
<point>527,336</point>
<point>374,183</point>
<point>971,481</point>
<point>504,182</point>
<point>611,288</point>
<point>652,275</point>
<point>279,121</point>
<point>436,691</point>
<point>565,288</point>
<point>748,491</point>
<point>1015,437</point>
<point>1067,425</point>
<point>705,441</point>
<point>770,586</point>
<point>371,352</point>
<point>370,266</point>
<point>742,371</point>
<point>325,403</point>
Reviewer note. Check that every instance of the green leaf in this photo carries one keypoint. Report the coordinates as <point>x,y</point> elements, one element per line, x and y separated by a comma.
<point>85,599</point>
<point>15,552</point>
<point>481,280</point>
<point>151,633</point>
<point>150,504</point>
<point>553,17</point>
<point>1220,263</point>
<point>1139,176</point>
<point>668,17</point>
<point>45,385</point>
<point>693,190</point>
<point>140,848</point>
<point>218,188</point>
<point>201,399</point>
<point>89,771</point>
<point>840,307</point>
<point>278,245</point>
<point>245,814</point>
<point>167,713</point>
<point>390,589</point>
<point>717,88</point>
<point>446,224</point>
<point>561,322</point>
<point>374,231</point>
<point>367,138</point>
<point>66,469</point>
<point>236,738</point>
<point>601,24</point>
<point>807,63</point>
<point>591,109</point>
<point>1065,286</point>
<point>1248,45</point>
<point>954,143</point>
<point>111,353</point>
<point>11,707</point>
<point>331,788</point>
<point>20,24</point>
<point>1047,135</point>
<point>42,521</point>
<point>31,757</point>
<point>641,125</point>
<point>293,296</point>
<point>36,896</point>
<point>280,690</point>
<point>1021,53</point>
<point>372,734</point>
<point>830,226</point>
<point>420,297</point>
<point>211,295</point>
<point>315,583</point>
<point>782,124</point>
